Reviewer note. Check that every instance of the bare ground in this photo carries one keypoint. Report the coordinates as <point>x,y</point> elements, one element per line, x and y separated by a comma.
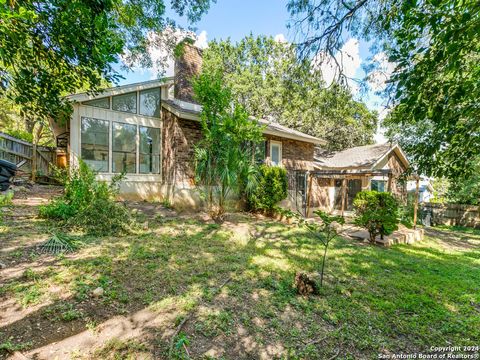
<point>229,286</point>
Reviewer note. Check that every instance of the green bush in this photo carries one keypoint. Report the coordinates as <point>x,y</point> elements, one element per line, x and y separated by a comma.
<point>407,210</point>
<point>377,212</point>
<point>89,205</point>
<point>271,188</point>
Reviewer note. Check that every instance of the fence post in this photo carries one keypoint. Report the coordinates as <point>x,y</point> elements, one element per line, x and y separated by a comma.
<point>415,207</point>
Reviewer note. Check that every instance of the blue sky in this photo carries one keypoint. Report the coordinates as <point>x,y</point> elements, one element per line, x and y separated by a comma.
<point>238,18</point>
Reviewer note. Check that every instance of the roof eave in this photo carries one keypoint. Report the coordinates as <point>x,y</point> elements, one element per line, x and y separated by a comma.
<point>118,90</point>
<point>192,116</point>
<point>402,156</point>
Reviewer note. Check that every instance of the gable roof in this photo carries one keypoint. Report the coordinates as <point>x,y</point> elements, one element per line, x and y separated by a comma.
<point>192,112</point>
<point>360,157</point>
<point>117,90</point>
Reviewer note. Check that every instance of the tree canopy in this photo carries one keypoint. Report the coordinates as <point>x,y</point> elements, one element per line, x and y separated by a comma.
<point>54,47</point>
<point>435,86</point>
<point>269,79</point>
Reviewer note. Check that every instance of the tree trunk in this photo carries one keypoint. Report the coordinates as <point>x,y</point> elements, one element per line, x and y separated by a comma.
<point>323,264</point>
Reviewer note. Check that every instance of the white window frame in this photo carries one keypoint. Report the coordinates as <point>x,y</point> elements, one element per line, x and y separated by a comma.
<point>280,155</point>
<point>108,115</point>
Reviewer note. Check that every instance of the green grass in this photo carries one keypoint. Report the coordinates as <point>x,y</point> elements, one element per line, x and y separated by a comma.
<point>406,298</point>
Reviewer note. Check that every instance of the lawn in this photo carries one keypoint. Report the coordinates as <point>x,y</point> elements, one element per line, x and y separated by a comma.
<point>228,291</point>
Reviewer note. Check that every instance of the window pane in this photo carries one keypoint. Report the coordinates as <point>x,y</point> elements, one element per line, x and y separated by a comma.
<point>149,150</point>
<point>275,155</point>
<point>94,143</point>
<point>125,102</point>
<point>260,152</point>
<point>378,185</point>
<point>150,102</point>
<point>124,147</point>
<point>103,103</point>
<point>149,164</point>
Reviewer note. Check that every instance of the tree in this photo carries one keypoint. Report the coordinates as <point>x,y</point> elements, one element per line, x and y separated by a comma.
<point>269,79</point>
<point>54,47</point>
<point>224,162</point>
<point>324,231</point>
<point>377,212</point>
<point>434,88</point>
<point>272,187</point>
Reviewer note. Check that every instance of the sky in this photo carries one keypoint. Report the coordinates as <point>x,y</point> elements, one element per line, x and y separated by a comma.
<point>236,19</point>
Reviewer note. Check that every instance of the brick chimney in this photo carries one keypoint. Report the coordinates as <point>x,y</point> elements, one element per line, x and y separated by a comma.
<point>187,65</point>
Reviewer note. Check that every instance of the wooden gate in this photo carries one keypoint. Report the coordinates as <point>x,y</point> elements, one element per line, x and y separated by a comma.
<point>16,151</point>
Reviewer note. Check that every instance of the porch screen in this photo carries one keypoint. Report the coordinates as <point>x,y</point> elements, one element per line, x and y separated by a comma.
<point>149,150</point>
<point>94,143</point>
<point>124,144</point>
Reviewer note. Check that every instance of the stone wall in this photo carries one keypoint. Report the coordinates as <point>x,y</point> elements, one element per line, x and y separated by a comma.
<point>178,145</point>
<point>450,214</point>
<point>187,65</point>
<point>395,165</point>
<point>296,155</point>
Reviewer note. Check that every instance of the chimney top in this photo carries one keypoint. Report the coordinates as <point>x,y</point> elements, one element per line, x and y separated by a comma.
<point>188,63</point>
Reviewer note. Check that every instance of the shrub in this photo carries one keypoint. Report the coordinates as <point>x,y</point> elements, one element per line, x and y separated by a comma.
<point>377,212</point>
<point>406,211</point>
<point>271,188</point>
<point>89,204</point>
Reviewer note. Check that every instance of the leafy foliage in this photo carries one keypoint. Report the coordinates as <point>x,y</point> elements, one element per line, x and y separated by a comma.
<point>323,231</point>
<point>377,212</point>
<point>224,157</point>
<point>55,47</point>
<point>434,49</point>
<point>270,189</point>
<point>89,204</point>
<point>270,81</point>
<point>465,189</point>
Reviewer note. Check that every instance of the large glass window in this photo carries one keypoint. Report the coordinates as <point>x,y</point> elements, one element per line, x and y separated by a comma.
<point>124,146</point>
<point>125,102</point>
<point>150,102</point>
<point>103,103</point>
<point>94,143</point>
<point>149,150</point>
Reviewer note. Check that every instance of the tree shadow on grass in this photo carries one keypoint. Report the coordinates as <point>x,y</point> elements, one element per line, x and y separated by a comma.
<point>374,298</point>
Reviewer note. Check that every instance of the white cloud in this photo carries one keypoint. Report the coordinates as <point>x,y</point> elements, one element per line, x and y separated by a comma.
<point>202,41</point>
<point>348,58</point>
<point>280,38</point>
<point>378,78</point>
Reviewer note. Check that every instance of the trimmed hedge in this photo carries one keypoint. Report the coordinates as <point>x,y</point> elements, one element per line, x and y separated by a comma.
<point>271,188</point>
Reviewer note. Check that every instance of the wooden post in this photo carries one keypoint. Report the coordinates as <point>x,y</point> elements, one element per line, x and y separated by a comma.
<point>389,183</point>
<point>344,193</point>
<point>415,207</point>
<point>309,196</point>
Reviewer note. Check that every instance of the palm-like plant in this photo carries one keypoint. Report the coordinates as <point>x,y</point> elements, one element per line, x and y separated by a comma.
<point>223,164</point>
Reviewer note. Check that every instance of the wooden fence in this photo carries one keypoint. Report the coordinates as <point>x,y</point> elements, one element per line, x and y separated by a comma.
<point>16,150</point>
<point>450,214</point>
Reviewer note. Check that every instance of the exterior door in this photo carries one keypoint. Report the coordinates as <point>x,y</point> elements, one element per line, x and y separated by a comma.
<point>354,187</point>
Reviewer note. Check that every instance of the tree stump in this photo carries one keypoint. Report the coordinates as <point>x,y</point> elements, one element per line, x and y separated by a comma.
<point>305,284</point>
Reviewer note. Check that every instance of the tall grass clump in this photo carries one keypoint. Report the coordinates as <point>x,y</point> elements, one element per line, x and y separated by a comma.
<point>89,205</point>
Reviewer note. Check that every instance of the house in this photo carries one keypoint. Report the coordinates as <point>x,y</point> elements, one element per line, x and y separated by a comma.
<point>148,130</point>
<point>339,176</point>
<point>425,189</point>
